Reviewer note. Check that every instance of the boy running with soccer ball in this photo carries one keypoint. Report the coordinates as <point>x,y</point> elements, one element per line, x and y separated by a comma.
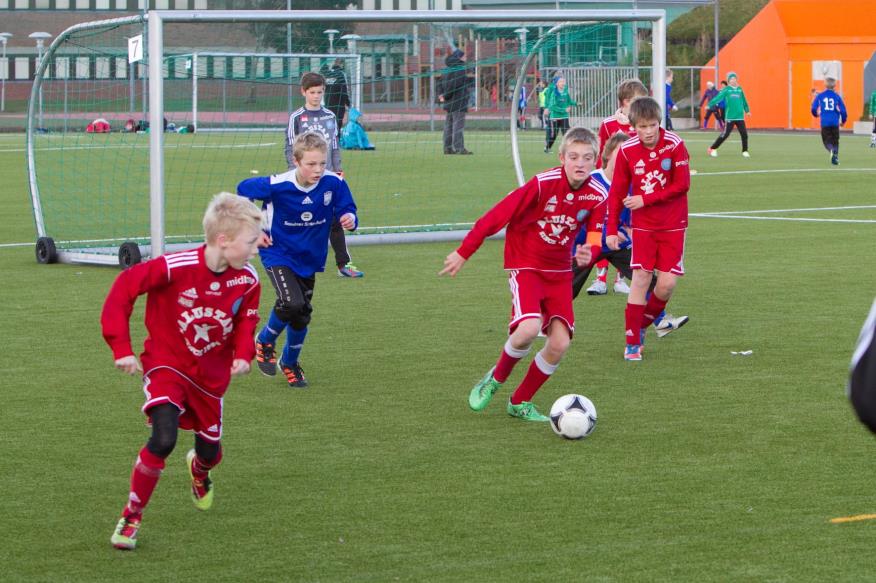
<point>202,309</point>
<point>541,218</point>
<point>656,165</point>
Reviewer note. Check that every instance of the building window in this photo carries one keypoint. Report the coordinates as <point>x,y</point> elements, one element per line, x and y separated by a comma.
<point>102,4</point>
<point>22,4</point>
<point>62,68</point>
<point>41,4</point>
<point>62,4</point>
<point>83,68</point>
<point>200,4</point>
<point>83,4</point>
<point>22,68</point>
<point>181,4</point>
<point>4,68</point>
<point>121,68</point>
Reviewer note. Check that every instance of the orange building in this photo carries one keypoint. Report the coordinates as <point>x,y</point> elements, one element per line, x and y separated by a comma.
<point>785,52</point>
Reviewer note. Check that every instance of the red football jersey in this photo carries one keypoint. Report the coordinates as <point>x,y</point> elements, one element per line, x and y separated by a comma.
<point>661,176</point>
<point>542,217</point>
<point>609,127</point>
<point>197,321</point>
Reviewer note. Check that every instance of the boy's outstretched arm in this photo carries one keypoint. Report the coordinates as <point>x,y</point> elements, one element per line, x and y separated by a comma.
<point>452,264</point>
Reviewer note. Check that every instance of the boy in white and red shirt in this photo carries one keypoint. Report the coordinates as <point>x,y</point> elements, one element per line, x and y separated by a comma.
<point>617,123</point>
<point>655,164</point>
<point>542,218</point>
<point>201,314</point>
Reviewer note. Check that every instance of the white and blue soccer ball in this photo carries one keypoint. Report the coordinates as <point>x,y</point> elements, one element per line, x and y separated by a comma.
<point>573,416</point>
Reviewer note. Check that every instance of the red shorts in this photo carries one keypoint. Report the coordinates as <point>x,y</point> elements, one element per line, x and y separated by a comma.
<point>660,250</point>
<point>200,411</point>
<point>540,294</point>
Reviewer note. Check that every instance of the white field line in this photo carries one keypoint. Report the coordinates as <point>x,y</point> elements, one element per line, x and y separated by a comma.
<point>146,147</point>
<point>715,215</point>
<point>800,220</point>
<point>783,171</point>
<point>801,210</point>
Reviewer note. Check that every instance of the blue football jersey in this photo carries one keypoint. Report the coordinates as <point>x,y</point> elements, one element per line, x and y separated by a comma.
<point>623,224</point>
<point>833,110</point>
<point>299,218</point>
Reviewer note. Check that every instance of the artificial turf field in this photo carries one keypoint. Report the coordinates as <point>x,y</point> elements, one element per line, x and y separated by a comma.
<point>704,466</point>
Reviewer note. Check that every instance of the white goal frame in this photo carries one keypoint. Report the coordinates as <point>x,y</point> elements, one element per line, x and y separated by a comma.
<point>157,18</point>
<point>355,58</point>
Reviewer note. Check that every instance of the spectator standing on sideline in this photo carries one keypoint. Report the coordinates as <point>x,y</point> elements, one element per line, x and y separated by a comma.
<point>829,106</point>
<point>540,93</point>
<point>708,94</point>
<point>453,95</point>
<point>559,104</point>
<point>721,108</point>
<point>670,105</point>
<point>337,94</point>
<point>873,117</point>
<point>737,109</point>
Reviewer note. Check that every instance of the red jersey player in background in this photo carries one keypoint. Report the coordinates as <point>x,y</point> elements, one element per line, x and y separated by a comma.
<point>617,123</point>
<point>201,314</point>
<point>542,218</point>
<point>656,165</point>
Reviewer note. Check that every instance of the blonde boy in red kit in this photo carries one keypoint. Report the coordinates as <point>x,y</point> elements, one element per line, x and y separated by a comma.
<point>655,164</point>
<point>542,218</point>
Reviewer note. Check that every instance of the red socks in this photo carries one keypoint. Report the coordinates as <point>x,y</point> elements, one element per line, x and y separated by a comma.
<point>652,309</point>
<point>633,318</point>
<point>537,375</point>
<point>200,467</point>
<point>147,470</point>
<point>602,270</point>
<point>510,356</point>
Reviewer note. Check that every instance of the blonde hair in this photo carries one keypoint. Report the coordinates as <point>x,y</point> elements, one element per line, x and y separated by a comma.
<point>230,214</point>
<point>630,89</point>
<point>579,135</point>
<point>611,144</point>
<point>306,143</point>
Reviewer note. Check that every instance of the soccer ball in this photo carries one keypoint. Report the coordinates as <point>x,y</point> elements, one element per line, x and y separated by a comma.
<point>573,416</point>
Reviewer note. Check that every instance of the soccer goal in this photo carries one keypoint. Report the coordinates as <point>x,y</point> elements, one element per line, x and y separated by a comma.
<point>163,85</point>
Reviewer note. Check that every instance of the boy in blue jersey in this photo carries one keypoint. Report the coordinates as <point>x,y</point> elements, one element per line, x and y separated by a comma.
<point>664,323</point>
<point>299,207</point>
<point>314,118</point>
<point>833,114</point>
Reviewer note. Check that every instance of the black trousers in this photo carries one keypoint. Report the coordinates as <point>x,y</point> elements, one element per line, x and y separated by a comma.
<point>294,294</point>
<point>556,129</point>
<point>620,259</point>
<point>830,138</point>
<point>728,127</point>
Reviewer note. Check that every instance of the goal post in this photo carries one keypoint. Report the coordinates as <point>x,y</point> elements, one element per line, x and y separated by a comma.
<point>120,197</point>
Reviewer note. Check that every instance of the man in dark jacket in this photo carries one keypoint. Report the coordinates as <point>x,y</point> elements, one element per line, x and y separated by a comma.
<point>453,94</point>
<point>708,94</point>
<point>337,96</point>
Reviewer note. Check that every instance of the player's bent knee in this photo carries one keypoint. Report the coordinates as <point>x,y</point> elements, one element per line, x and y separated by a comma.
<point>162,442</point>
<point>526,331</point>
<point>208,451</point>
<point>295,315</point>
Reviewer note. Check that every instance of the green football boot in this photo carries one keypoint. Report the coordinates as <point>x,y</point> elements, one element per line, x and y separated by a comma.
<point>482,392</point>
<point>526,411</point>
<point>202,489</point>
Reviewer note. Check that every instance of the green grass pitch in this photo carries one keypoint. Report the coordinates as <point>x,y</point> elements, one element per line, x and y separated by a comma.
<point>704,466</point>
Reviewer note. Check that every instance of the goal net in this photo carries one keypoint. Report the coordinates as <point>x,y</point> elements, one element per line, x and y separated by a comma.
<point>134,123</point>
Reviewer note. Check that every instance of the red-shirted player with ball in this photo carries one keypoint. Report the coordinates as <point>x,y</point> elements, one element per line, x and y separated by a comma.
<point>542,218</point>
<point>655,164</point>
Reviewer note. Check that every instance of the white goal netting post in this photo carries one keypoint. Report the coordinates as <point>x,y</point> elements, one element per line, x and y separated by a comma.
<point>119,197</point>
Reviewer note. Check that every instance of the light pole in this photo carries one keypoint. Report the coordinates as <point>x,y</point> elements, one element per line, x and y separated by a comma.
<point>357,74</point>
<point>4,38</point>
<point>40,38</point>
<point>331,34</point>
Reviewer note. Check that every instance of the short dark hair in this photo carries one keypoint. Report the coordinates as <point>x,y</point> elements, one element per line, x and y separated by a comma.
<point>644,109</point>
<point>311,79</point>
<point>630,89</point>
